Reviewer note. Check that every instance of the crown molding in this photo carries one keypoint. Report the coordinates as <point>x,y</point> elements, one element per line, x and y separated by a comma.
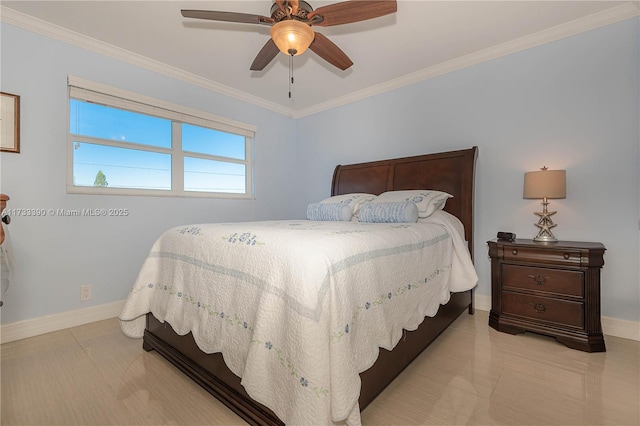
<point>57,32</point>
<point>620,13</point>
<point>587,23</point>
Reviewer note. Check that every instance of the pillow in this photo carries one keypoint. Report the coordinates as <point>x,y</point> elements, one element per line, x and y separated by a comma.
<point>403,212</point>
<point>427,201</point>
<point>355,201</point>
<point>329,212</point>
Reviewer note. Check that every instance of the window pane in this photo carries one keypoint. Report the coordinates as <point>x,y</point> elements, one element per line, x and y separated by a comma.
<point>100,165</point>
<point>213,176</point>
<point>99,121</point>
<point>213,142</point>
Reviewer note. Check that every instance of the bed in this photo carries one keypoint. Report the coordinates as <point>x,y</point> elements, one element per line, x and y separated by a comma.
<point>332,331</point>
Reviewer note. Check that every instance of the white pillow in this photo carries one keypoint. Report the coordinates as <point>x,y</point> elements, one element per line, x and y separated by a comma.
<point>355,201</point>
<point>427,200</point>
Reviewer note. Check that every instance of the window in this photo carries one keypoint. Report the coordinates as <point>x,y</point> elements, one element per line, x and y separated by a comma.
<point>124,143</point>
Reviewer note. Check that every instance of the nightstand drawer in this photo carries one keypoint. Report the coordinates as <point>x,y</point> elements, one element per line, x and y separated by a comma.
<point>543,308</point>
<point>546,255</point>
<point>550,280</point>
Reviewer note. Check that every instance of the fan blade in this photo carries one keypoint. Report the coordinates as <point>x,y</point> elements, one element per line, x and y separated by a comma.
<point>353,11</point>
<point>266,55</point>
<point>213,15</point>
<point>331,53</point>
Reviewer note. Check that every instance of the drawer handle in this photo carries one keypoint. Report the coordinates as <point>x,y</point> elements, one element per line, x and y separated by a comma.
<point>514,252</point>
<point>566,256</point>
<point>539,279</point>
<point>539,308</point>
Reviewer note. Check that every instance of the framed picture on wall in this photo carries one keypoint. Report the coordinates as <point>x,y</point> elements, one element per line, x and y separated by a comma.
<point>10,122</point>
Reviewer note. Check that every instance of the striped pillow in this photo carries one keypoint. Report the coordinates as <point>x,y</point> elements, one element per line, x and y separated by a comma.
<point>329,212</point>
<point>354,200</point>
<point>404,212</point>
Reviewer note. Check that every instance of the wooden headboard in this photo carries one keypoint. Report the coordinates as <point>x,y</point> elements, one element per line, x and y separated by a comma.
<point>451,172</point>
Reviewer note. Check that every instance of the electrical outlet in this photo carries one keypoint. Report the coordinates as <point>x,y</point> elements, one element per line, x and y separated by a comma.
<point>85,293</point>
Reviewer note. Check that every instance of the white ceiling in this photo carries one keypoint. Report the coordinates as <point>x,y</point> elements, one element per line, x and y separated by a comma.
<point>423,39</point>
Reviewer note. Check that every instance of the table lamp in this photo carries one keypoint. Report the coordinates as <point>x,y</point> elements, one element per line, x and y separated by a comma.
<point>544,184</point>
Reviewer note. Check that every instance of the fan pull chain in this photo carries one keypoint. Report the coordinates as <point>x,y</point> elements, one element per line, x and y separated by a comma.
<point>290,74</point>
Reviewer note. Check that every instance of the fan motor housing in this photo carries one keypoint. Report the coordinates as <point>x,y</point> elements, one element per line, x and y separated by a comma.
<point>304,8</point>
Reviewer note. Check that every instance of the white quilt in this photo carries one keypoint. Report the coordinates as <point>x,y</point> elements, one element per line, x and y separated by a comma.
<point>299,308</point>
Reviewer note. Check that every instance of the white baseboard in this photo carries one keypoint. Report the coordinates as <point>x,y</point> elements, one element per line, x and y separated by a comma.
<point>47,324</point>
<point>481,302</point>
<point>621,328</point>
<point>610,326</point>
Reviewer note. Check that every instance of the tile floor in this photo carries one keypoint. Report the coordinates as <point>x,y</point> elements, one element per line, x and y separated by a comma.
<point>471,375</point>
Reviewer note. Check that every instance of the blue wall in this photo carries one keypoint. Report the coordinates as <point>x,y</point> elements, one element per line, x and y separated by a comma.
<point>571,104</point>
<point>54,256</point>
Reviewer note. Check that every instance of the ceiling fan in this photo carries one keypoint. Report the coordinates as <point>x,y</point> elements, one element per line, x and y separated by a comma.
<point>291,22</point>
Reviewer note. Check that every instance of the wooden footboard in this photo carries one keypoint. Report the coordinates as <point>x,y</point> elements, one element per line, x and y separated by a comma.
<point>391,363</point>
<point>210,372</point>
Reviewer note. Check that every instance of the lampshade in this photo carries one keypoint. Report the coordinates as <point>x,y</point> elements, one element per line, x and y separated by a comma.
<point>292,37</point>
<point>545,183</point>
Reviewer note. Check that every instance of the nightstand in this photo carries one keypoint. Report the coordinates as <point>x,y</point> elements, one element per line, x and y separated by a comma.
<point>548,288</point>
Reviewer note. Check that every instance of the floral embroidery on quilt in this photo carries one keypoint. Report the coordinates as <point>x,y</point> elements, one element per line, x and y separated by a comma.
<point>235,321</point>
<point>382,299</point>
<point>246,238</point>
<point>190,230</point>
<point>288,364</point>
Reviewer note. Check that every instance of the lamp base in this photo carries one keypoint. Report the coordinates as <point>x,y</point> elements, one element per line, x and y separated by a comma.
<point>544,238</point>
<point>545,224</point>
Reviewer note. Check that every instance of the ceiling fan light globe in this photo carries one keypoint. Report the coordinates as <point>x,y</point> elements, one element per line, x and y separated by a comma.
<point>292,36</point>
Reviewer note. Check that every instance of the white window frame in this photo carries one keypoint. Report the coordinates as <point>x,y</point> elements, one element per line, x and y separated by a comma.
<point>85,90</point>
